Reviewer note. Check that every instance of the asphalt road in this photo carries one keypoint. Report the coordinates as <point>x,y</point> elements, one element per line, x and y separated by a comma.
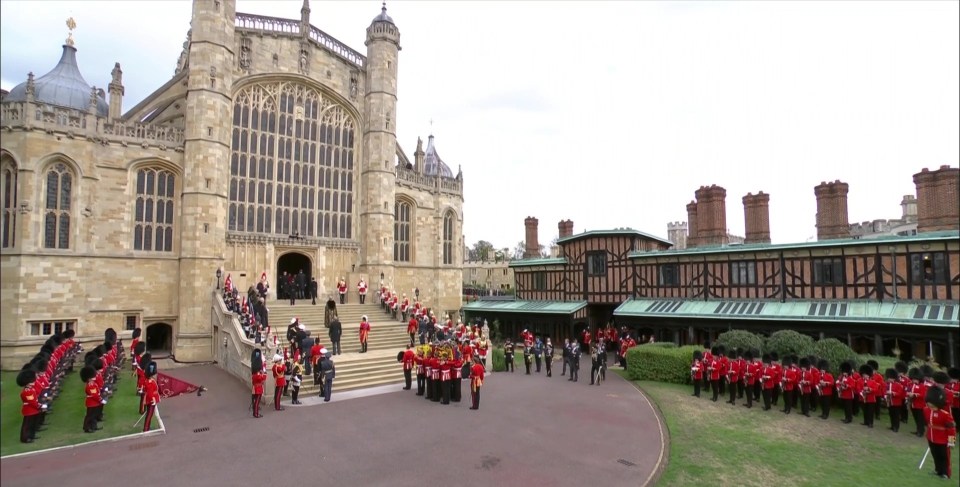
<point>529,431</point>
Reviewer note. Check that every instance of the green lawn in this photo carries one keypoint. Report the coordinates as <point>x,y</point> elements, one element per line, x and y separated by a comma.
<point>719,444</point>
<point>65,424</point>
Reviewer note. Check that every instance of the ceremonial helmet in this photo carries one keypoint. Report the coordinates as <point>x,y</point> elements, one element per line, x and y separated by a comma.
<point>901,367</point>
<point>110,335</point>
<point>748,355</point>
<point>140,348</point>
<point>954,373</point>
<point>822,364</point>
<point>151,369</point>
<point>107,346</point>
<point>915,374</point>
<point>137,332</point>
<point>256,360</point>
<point>697,355</point>
<point>936,397</point>
<point>804,363</point>
<point>774,356</point>
<point>846,367</point>
<point>866,370</point>
<point>941,378</point>
<point>26,376</point>
<point>145,359</point>
<point>891,374</point>
<point>873,365</point>
<point>277,358</point>
<point>68,333</point>
<point>87,373</point>
<point>926,370</point>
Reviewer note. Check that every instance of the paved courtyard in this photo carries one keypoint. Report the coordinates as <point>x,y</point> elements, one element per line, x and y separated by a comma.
<point>529,431</point>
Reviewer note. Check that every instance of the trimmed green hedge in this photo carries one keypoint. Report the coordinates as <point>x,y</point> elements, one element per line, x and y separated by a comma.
<point>833,351</point>
<point>660,344</point>
<point>740,339</point>
<point>662,364</point>
<point>788,342</point>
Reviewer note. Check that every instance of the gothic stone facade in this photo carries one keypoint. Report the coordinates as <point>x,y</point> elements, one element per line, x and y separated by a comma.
<point>272,143</point>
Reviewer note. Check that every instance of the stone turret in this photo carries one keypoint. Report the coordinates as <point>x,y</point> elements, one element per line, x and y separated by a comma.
<point>938,201</point>
<point>756,213</point>
<point>116,92</point>
<point>418,156</point>
<point>378,173</point>
<point>832,220</point>
<point>677,234</point>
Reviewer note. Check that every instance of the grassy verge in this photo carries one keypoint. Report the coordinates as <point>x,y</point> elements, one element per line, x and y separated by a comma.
<point>65,423</point>
<point>719,444</point>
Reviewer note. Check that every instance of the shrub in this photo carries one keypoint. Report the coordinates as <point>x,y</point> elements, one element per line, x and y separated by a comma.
<point>499,361</point>
<point>663,364</point>
<point>833,351</point>
<point>742,339</point>
<point>788,342</point>
<point>884,361</point>
<point>660,344</point>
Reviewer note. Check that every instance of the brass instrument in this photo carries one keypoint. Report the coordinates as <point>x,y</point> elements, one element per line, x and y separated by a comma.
<point>888,397</point>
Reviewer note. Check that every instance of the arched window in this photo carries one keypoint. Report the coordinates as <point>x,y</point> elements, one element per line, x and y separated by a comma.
<point>448,238</point>
<point>59,196</point>
<point>8,194</point>
<point>294,124</point>
<point>401,232</point>
<point>154,210</point>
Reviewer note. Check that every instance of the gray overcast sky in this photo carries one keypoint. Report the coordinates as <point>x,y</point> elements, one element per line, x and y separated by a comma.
<point>609,113</point>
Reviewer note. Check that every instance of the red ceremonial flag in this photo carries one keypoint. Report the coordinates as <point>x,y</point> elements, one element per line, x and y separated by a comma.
<point>171,386</point>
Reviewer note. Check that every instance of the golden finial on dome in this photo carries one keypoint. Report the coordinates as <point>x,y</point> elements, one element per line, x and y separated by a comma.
<point>71,24</point>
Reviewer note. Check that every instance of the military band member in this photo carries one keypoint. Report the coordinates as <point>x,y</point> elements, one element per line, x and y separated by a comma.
<point>436,372</point>
<point>595,361</point>
<point>476,382</point>
<point>894,396</point>
<point>696,372</point>
<point>805,386</point>
<point>754,369</point>
<point>916,395</point>
<point>905,381</point>
<point>412,326</point>
<point>825,388</point>
<point>508,355</point>
<point>296,379</point>
<point>733,374</point>
<point>31,408</point>
<point>814,380</point>
<point>408,362</point>
<point>548,357</point>
<point>456,368</point>
<point>362,290</point>
<point>846,387</point>
<point>777,377</point>
<point>133,348</point>
<point>279,380</point>
<point>428,371</point>
<point>714,369</point>
<point>707,360</point>
<point>151,395</point>
<point>767,381</point>
<point>574,361</point>
<point>421,372</point>
<point>527,357</point>
<point>342,290</point>
<point>93,400</point>
<point>446,376</point>
<point>566,356</point>
<point>537,352</point>
<point>941,430</point>
<point>788,383</point>
<point>953,392</point>
<point>868,395</point>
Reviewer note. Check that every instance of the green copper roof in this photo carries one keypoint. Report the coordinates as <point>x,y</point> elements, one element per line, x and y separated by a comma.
<point>847,242</point>
<point>534,307</point>
<point>917,314</point>
<point>530,262</point>
<point>621,231</point>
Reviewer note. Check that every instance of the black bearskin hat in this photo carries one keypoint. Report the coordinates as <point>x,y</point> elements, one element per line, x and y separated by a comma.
<point>256,360</point>
<point>140,348</point>
<point>137,332</point>
<point>28,365</point>
<point>67,334</point>
<point>813,360</point>
<point>766,358</point>
<point>400,356</point>
<point>99,350</point>
<point>873,364</point>
<point>316,341</point>
<point>774,356</point>
<point>89,357</point>
<point>786,362</point>
<point>901,366</point>
<point>110,335</point>
<point>739,352</point>
<point>941,377</point>
<point>697,355</point>
<point>915,374</point>
<point>47,347</point>
<point>926,370</point>
<point>804,363</point>
<point>107,346</point>
<point>866,370</point>
<point>722,349</point>
<point>25,377</point>
<point>748,355</point>
<point>87,373</point>
<point>846,367</point>
<point>822,364</point>
<point>715,351</point>
<point>706,345</point>
<point>151,369</point>
<point>954,373</point>
<point>936,397</point>
<point>145,359</point>
<point>97,364</point>
<point>755,352</point>
<point>891,374</point>
<point>732,354</point>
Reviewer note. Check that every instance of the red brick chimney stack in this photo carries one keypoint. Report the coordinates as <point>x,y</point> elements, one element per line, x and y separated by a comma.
<point>832,220</point>
<point>692,224</point>
<point>938,201</point>
<point>566,228</point>
<point>712,216</point>
<point>756,212</point>
<point>533,244</point>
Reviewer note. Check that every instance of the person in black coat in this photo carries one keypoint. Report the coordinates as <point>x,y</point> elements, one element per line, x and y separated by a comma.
<point>313,289</point>
<point>329,372</point>
<point>336,329</point>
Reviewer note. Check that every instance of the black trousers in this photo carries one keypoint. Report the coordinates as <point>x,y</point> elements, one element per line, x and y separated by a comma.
<point>723,387</point>
<point>868,413</point>
<point>527,363</point>
<point>335,346</point>
<point>277,392</point>
<point>429,392</point>
<point>903,413</point>
<point>28,429</point>
<point>437,392</point>
<point>343,298</point>
<point>847,410</point>
<point>825,405</point>
<point>407,378</point>
<point>574,373</point>
<point>564,371</point>
<point>363,298</point>
<point>895,418</point>
<point>941,457</point>
<point>421,384</point>
<point>757,389</point>
<point>475,395</point>
<point>767,395</point>
<point>444,392</point>
<point>537,359</point>
<point>733,386</point>
<point>90,419</point>
<point>255,402</point>
<point>788,400</point>
<point>411,337</point>
<point>296,393</point>
<point>508,362</point>
<point>715,387</point>
<point>548,363</point>
<point>814,399</point>
<point>856,406</point>
<point>696,388</point>
<point>776,394</point>
<point>805,404</point>
<point>749,395</point>
<point>918,420</point>
<point>149,417</point>
<point>456,394</point>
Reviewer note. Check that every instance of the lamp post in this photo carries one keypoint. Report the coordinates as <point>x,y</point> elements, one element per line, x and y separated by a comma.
<point>219,273</point>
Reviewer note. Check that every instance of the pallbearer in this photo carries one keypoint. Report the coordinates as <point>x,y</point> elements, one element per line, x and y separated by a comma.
<point>151,394</point>
<point>259,378</point>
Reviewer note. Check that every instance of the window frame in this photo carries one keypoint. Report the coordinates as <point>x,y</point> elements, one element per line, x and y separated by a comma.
<point>402,231</point>
<point>668,274</point>
<point>939,268</point>
<point>828,271</point>
<point>46,328</point>
<point>743,273</point>
<point>64,170</point>
<point>448,231</point>
<point>538,280</point>
<point>593,267</point>
<point>8,200</point>
<point>141,226</point>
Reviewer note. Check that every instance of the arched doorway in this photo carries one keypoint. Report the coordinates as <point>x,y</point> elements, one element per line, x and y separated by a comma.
<point>159,339</point>
<point>291,264</point>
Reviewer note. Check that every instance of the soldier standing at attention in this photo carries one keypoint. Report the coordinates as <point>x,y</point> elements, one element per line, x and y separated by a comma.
<point>566,356</point>
<point>538,352</point>
<point>151,395</point>
<point>278,380</point>
<point>364,332</point>
<point>342,290</point>
<point>408,360</point>
<point>825,388</point>
<point>258,378</point>
<point>527,357</point>
<point>362,290</point>
<point>508,355</point>
<point>548,357</point>
<point>476,381</point>
<point>574,361</point>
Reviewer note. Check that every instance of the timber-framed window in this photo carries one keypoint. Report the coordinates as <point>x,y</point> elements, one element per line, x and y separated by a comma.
<point>539,281</point>
<point>597,263</point>
<point>743,273</point>
<point>929,268</point>
<point>668,275</point>
<point>828,271</point>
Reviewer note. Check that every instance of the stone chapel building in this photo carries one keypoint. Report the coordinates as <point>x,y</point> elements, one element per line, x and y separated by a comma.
<point>272,148</point>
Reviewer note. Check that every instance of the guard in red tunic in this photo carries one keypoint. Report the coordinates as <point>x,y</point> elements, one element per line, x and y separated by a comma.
<point>868,395</point>
<point>364,332</point>
<point>456,368</point>
<point>846,387</point>
<point>696,372</point>
<point>751,376</point>
<point>445,377</point>
<point>476,382</point>
<point>733,372</point>
<point>428,375</point>
<point>435,370</point>
<point>258,378</point>
<point>805,386</point>
<point>362,290</point>
<point>31,408</point>
<point>916,396</point>
<point>93,400</point>
<point>714,368</point>
<point>408,362</point>
<point>941,430</point>
<point>145,359</point>
<point>421,372</point>
<point>278,380</point>
<point>133,348</point>
<point>953,391</point>
<point>151,395</point>
<point>825,388</point>
<point>767,382</point>
<point>412,329</point>
<point>894,396</point>
<point>342,290</point>
<point>404,307</point>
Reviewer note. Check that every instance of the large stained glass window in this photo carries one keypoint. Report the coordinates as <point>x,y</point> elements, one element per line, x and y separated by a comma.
<point>57,200</point>
<point>154,211</point>
<point>401,231</point>
<point>8,194</point>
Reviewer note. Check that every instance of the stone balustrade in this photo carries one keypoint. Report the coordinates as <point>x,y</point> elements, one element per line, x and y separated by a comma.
<point>429,183</point>
<point>276,25</point>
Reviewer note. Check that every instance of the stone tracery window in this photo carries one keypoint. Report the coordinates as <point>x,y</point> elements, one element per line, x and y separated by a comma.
<point>401,231</point>
<point>292,163</point>
<point>57,201</point>
<point>448,238</point>
<point>154,210</point>
<point>8,194</point>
